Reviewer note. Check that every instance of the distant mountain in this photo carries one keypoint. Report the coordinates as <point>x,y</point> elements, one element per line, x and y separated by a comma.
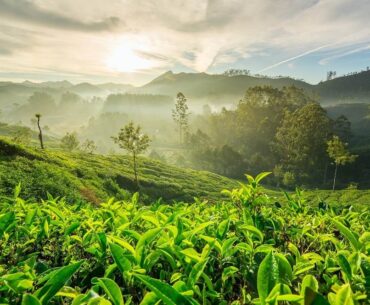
<point>201,88</point>
<point>114,87</point>
<point>87,89</point>
<point>55,85</point>
<point>352,88</point>
<point>212,86</point>
<point>11,92</point>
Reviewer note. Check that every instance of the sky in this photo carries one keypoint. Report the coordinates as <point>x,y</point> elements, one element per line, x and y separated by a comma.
<point>133,41</point>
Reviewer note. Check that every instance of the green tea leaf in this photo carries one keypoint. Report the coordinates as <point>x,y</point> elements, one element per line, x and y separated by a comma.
<point>29,299</point>
<point>165,292</point>
<point>355,243</point>
<point>111,289</point>
<point>55,283</point>
<point>120,258</point>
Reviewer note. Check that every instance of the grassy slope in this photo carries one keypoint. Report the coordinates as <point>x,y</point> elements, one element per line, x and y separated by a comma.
<point>97,177</point>
<point>347,197</point>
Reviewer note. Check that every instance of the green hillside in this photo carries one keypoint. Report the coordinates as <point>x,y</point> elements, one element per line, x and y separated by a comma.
<point>214,86</point>
<point>96,177</point>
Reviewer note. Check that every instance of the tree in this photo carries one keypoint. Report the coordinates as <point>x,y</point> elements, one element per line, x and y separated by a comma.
<point>331,75</point>
<point>89,146</point>
<point>38,117</point>
<point>300,142</point>
<point>70,141</point>
<point>337,151</point>
<point>131,139</point>
<point>342,128</point>
<point>180,114</point>
<point>22,135</point>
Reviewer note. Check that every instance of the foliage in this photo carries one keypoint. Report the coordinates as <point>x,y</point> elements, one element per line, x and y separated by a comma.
<point>89,176</point>
<point>340,155</point>
<point>270,127</point>
<point>22,135</point>
<point>70,142</point>
<point>134,141</point>
<point>242,251</point>
<point>301,141</point>
<point>89,146</point>
<point>338,152</point>
<point>181,115</point>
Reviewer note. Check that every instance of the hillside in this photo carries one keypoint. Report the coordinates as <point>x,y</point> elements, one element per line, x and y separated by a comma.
<point>350,88</point>
<point>213,86</point>
<point>346,88</point>
<point>97,177</point>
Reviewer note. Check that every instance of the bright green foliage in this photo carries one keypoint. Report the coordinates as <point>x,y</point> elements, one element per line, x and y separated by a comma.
<point>133,141</point>
<point>242,251</point>
<point>96,178</point>
<point>338,152</point>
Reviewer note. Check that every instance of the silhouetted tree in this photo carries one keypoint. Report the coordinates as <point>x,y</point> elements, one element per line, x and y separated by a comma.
<point>38,117</point>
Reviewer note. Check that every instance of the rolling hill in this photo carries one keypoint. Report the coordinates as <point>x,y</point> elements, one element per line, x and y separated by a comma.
<point>212,86</point>
<point>344,89</point>
<point>97,177</point>
<point>215,88</point>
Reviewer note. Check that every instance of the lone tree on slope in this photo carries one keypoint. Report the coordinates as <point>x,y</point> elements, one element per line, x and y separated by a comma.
<point>131,139</point>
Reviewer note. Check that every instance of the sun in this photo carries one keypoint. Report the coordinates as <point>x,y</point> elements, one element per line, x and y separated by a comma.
<point>126,58</point>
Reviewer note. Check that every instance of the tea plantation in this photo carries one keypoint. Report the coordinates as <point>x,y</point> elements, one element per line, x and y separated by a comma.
<point>244,250</point>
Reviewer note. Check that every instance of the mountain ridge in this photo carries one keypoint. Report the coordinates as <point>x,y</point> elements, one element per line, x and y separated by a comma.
<point>217,87</point>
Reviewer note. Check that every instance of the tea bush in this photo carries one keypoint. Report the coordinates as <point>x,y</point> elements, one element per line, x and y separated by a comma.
<point>246,250</point>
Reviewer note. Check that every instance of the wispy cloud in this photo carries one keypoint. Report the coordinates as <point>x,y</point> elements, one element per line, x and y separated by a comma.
<point>293,58</point>
<point>327,59</point>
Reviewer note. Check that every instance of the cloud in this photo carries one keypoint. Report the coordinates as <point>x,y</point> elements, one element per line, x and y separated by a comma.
<point>27,11</point>
<point>341,54</point>
<point>200,35</point>
<point>292,58</point>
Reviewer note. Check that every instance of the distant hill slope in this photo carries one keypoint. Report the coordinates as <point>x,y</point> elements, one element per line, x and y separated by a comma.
<point>215,88</point>
<point>203,85</point>
<point>11,93</point>
<point>351,88</point>
<point>97,177</point>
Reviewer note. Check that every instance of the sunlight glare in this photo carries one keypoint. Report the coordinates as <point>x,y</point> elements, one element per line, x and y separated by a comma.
<point>125,58</point>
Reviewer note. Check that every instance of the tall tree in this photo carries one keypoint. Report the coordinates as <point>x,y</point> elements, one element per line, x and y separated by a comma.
<point>131,139</point>
<point>181,114</point>
<point>38,117</point>
<point>337,151</point>
<point>301,141</point>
